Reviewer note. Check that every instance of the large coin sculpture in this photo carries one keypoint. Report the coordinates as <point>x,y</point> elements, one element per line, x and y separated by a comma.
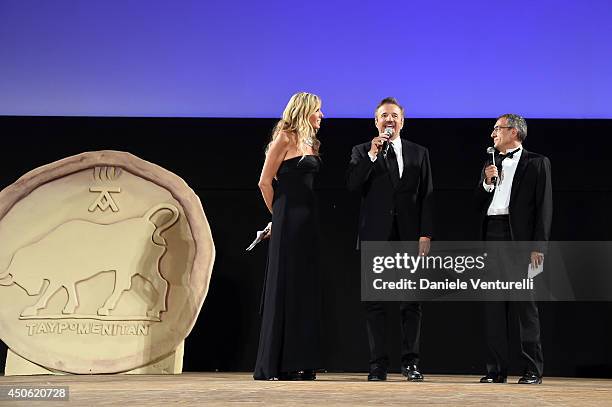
<point>105,261</point>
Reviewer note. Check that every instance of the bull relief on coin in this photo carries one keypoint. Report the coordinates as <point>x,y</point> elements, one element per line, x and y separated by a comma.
<point>105,261</point>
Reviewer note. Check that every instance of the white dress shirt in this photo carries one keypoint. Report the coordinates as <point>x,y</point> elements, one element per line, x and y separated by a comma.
<point>501,192</point>
<point>397,148</point>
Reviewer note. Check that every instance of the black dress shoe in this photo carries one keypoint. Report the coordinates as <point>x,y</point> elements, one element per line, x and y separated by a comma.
<point>412,373</point>
<point>298,375</point>
<point>289,376</point>
<point>493,378</point>
<point>308,374</point>
<point>530,378</point>
<point>378,374</point>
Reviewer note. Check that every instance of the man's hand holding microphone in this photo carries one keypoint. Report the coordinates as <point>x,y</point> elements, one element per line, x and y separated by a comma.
<point>491,174</point>
<point>381,142</point>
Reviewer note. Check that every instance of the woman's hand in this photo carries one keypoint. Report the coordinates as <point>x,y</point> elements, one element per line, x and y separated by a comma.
<point>268,231</point>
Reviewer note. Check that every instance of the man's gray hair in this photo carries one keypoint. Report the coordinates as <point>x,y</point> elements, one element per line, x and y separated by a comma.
<point>516,121</point>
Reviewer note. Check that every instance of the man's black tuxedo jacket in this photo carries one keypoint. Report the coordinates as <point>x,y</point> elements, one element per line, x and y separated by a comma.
<point>530,199</point>
<point>411,201</point>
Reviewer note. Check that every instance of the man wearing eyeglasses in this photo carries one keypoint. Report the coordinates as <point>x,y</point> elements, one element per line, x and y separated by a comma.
<point>514,203</point>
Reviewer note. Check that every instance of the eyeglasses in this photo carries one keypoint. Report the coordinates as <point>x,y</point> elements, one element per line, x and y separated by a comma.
<point>497,129</point>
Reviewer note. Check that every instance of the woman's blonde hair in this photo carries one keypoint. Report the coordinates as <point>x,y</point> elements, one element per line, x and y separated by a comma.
<point>296,121</point>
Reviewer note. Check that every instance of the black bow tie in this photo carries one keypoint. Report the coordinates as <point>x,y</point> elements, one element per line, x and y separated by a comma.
<point>501,156</point>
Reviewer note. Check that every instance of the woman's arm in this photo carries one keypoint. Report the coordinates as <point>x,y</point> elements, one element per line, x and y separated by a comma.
<point>276,153</point>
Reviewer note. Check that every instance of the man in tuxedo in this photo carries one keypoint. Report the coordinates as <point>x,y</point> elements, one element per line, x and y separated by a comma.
<point>396,205</point>
<point>514,204</point>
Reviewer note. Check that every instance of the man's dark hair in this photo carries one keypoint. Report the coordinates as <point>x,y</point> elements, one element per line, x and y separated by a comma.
<point>389,100</point>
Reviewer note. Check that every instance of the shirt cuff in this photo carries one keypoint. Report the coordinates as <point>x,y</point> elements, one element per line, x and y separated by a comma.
<point>372,158</point>
<point>488,188</point>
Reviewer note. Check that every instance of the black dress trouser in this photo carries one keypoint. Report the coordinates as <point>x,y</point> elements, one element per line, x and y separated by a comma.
<point>498,317</point>
<point>410,322</point>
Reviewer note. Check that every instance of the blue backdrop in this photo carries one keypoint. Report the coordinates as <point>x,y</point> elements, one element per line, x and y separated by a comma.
<point>244,58</point>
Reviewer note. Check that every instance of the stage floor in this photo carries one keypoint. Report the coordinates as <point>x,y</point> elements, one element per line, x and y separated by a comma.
<point>330,389</point>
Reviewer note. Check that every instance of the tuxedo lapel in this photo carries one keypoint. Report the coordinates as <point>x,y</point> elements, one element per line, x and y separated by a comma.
<point>379,165</point>
<point>518,174</point>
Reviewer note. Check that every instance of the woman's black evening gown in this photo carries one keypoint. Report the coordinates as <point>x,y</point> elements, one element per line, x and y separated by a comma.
<point>289,337</point>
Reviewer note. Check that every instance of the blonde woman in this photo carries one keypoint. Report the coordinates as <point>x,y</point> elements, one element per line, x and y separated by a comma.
<point>289,337</point>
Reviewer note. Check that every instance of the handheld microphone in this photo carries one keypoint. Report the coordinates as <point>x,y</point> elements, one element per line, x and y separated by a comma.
<point>385,146</point>
<point>491,150</point>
